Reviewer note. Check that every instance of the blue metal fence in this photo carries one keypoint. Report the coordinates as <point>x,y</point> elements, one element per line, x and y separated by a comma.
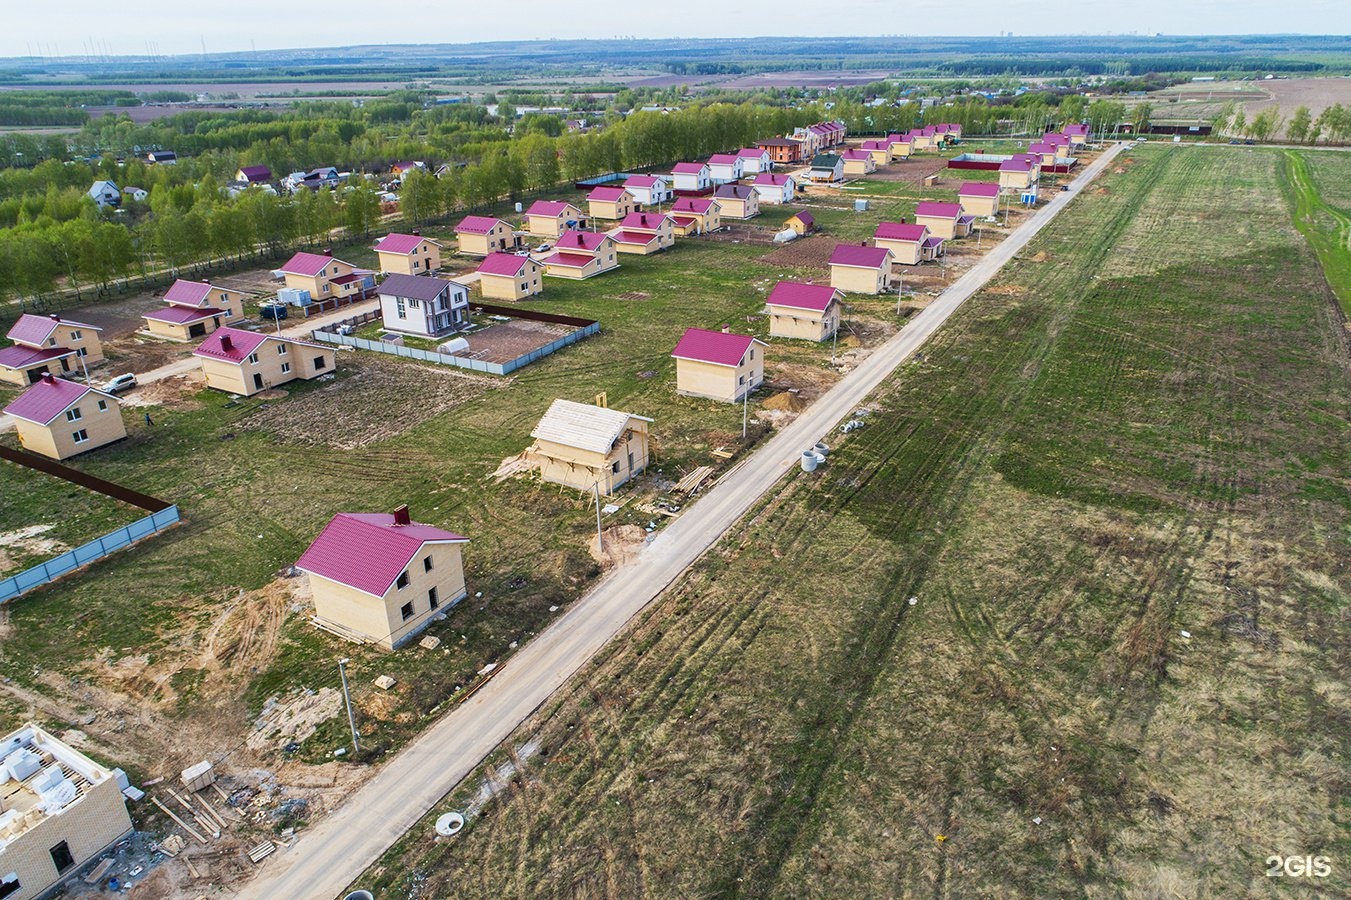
<point>68,562</point>
<point>463,362</point>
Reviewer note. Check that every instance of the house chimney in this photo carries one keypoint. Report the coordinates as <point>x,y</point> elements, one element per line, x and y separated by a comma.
<point>401,516</point>
<point>47,378</point>
<point>417,232</point>
<point>54,317</point>
<point>225,342</point>
<point>206,281</point>
<point>726,329</point>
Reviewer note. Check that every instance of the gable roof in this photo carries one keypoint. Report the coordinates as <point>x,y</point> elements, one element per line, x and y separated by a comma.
<point>606,194</point>
<point>859,256</point>
<point>734,191</point>
<point>1075,128</point>
<point>938,210</point>
<point>644,221</point>
<point>572,239</point>
<point>875,145</point>
<point>570,260</point>
<point>722,159</point>
<point>752,153</point>
<point>368,551</point>
<point>643,181</point>
<point>182,315</point>
<point>502,264</point>
<point>31,329</point>
<point>552,208</point>
<point>699,205</point>
<point>855,154</point>
<point>633,238</point>
<point>825,161</point>
<point>779,142</point>
<point>403,244</point>
<point>900,231</point>
<point>794,294</point>
<point>254,174</point>
<point>583,426</point>
<point>1015,165</point>
<point>187,293</point>
<point>414,287</point>
<point>48,398</point>
<point>1042,147</point>
<point>478,224</point>
<point>716,347</point>
<point>688,168</point>
<point>308,264</point>
<point>772,178</point>
<point>20,357</point>
<point>242,343</point>
<point>803,216</point>
<point>978,189</point>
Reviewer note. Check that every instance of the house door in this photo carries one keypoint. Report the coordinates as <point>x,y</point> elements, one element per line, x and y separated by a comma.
<point>65,365</point>
<point>198,330</point>
<point>257,381</point>
<point>34,375</point>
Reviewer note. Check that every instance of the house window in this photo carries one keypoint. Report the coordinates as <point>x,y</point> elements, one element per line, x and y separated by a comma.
<point>253,358</point>
<point>10,884</point>
<point>614,467</point>
<point>285,368</point>
<point>80,436</point>
<point>73,414</point>
<point>426,563</point>
<point>103,406</point>
<point>432,598</point>
<point>402,581</point>
<point>74,335</point>
<point>81,351</point>
<point>741,379</point>
<point>327,287</point>
<point>61,857</point>
<point>399,309</point>
<point>281,349</point>
<point>319,363</point>
<point>51,342</point>
<point>406,610</point>
<point>414,304</point>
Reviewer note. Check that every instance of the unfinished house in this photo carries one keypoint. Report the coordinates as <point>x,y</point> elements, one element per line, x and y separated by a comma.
<point>60,810</point>
<point>60,418</point>
<point>380,578</point>
<point>588,447</point>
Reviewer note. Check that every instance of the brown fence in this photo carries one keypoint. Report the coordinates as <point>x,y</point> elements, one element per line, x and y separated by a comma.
<point>517,312</point>
<point>83,479</point>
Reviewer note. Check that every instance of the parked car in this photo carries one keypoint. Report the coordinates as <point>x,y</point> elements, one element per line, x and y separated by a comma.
<point>542,248</point>
<point>272,311</point>
<point>120,383</point>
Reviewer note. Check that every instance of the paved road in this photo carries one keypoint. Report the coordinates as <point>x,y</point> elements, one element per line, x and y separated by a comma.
<point>328,857</point>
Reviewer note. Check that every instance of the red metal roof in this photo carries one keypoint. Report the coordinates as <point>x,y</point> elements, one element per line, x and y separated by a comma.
<point>875,145</point>
<point>21,357</point>
<point>643,221</point>
<point>1041,147</point>
<point>182,315</point>
<point>1075,129</point>
<point>187,293</point>
<point>633,237</point>
<point>722,159</point>
<point>734,192</point>
<point>643,181</point>
<point>979,189</point>
<point>604,194</point>
<point>856,154</point>
<point>1015,165</point>
<point>772,179</point>
<point>346,279</point>
<point>572,239</point>
<point>815,297</point>
<point>570,260</point>
<point>502,264</point>
<point>31,329</point>
<point>859,256</point>
<point>714,347</point>
<point>242,343</point>
<point>750,153</point>
<point>699,205</point>
<point>688,168</point>
<point>49,398</point>
<point>400,243</point>
<point>900,231</point>
<point>368,551</point>
<point>938,210</point>
<point>685,221</point>
<point>933,242</point>
<point>310,264</point>
<point>804,217</point>
<point>554,208</point>
<point>478,224</point>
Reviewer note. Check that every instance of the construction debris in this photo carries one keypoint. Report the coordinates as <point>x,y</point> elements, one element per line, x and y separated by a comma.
<point>385,682</point>
<point>262,851</point>
<point>430,642</point>
<point>693,481</point>
<point>196,777</point>
<point>184,825</point>
<point>172,845</point>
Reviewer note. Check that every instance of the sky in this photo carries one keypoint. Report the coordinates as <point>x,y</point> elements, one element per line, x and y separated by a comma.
<point>172,27</point>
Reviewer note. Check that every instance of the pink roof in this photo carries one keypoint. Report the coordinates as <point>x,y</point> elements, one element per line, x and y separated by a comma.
<point>182,315</point>
<point>550,208</point>
<point>1015,165</point>
<point>400,243</point>
<point>643,221</point>
<point>48,398</point>
<point>607,194</point>
<point>929,130</point>
<point>31,329</point>
<point>307,264</point>
<point>894,136</point>
<point>346,279</point>
<point>748,153</point>
<point>478,224</point>
<point>699,205</point>
<point>570,260</point>
<point>804,217</point>
<point>242,343</point>
<point>688,168</point>
<point>875,145</point>
<point>939,210</point>
<point>685,221</point>
<point>19,356</point>
<point>1055,137</point>
<point>931,242</point>
<point>722,159</point>
<point>979,189</point>
<point>900,231</point>
<point>502,264</point>
<point>815,297</point>
<point>856,154</point>
<point>633,237</point>
<point>771,178</point>
<point>580,240</point>
<point>187,293</point>
<point>819,129</point>
<point>1075,129</point>
<point>643,181</point>
<point>859,256</point>
<point>368,551</point>
<point>1041,147</point>
<point>713,347</point>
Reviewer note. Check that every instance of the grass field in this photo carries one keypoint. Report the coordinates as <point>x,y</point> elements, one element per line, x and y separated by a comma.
<point>1316,185</point>
<point>1070,617</point>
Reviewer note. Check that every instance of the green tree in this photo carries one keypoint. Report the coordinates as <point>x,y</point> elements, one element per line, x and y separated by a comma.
<point>419,197</point>
<point>361,208</point>
<point>1297,131</point>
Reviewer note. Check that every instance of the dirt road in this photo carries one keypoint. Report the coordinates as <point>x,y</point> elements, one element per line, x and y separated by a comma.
<point>326,858</point>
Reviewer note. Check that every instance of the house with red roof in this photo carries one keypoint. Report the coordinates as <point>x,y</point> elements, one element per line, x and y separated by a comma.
<point>194,309</point>
<point>325,277</point>
<point>401,169</point>
<point>979,198</point>
<point>588,447</point>
<point>510,276</point>
<point>718,365</point>
<point>481,235</point>
<point>696,215</point>
<point>644,233</point>
<point>1078,133</point>
<point>773,188</point>
<point>860,269</point>
<point>858,162</point>
<point>408,254</point>
<point>693,177</point>
<point>1045,152</point>
<point>550,218</point>
<point>920,139</point>
<point>809,312</point>
<point>1019,172</point>
<point>801,221</point>
<point>784,151</point>
<point>649,190</point>
<point>48,344</point>
<point>581,254</point>
<point>60,418</point>
<point>246,362</point>
<point>879,150</point>
<point>908,243</point>
<point>423,305</point>
<point>380,578</point>
<point>254,175</point>
<point>737,201</point>
<point>606,202</point>
<point>945,220</point>
<point>724,168</point>
<point>900,146</point>
<point>754,160</point>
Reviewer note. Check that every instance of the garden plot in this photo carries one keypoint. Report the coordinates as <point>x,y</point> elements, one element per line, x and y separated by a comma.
<point>503,341</point>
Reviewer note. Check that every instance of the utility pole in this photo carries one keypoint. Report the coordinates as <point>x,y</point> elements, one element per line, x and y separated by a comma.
<point>900,290</point>
<point>351,720</point>
<point>745,408</point>
<point>600,541</point>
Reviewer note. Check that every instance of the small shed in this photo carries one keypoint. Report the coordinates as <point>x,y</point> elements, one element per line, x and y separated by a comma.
<point>801,221</point>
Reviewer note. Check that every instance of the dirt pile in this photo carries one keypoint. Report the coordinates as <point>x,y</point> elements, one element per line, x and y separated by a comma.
<point>622,543</point>
<point>784,401</point>
<point>282,722</point>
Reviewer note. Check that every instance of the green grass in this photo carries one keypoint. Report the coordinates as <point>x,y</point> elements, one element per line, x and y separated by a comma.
<point>1092,458</point>
<point>1326,223</point>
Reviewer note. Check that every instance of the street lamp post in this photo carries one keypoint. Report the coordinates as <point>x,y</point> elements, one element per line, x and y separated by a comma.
<point>351,719</point>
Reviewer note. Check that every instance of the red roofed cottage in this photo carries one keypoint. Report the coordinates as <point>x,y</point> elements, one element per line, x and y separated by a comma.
<point>607,202</point>
<point>979,198</point>
<point>380,578</point>
<point>246,362</point>
<point>481,235</point>
<point>809,312</point>
<point>718,365</point>
<point>60,418</point>
<point>550,218</point>
<point>507,276</point>
<point>860,269</point>
<point>48,344</point>
<point>408,254</point>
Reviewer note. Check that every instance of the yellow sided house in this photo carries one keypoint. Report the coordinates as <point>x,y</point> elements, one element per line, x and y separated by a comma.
<point>737,201</point>
<point>194,309</point>
<point>325,277</point>
<point>581,254</point>
<point>246,362</point>
<point>408,254</point>
<point>380,578</point>
<point>860,269</point>
<point>644,233</point>
<point>510,276</point>
<point>550,218</point>
<point>612,203</point>
<point>696,215</point>
<point>481,235</point>
<point>909,244</point>
<point>944,220</point>
<point>589,447</point>
<point>59,810</point>
<point>858,162</point>
<point>60,418</point>
<point>979,198</point>
<point>718,365</point>
<point>48,344</point>
<point>809,312</point>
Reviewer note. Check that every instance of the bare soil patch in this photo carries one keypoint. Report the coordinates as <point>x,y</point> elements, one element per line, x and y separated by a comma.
<point>913,171</point>
<point>811,252</point>
<point>505,341</point>
<point>622,543</point>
